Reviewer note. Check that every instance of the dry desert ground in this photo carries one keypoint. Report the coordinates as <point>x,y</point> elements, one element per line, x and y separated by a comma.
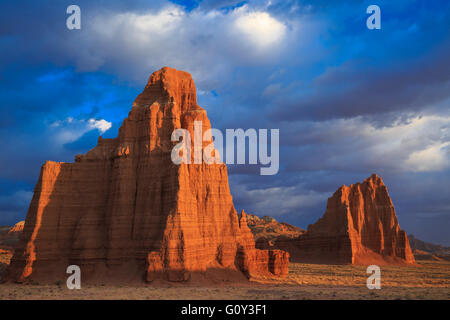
<point>431,280</point>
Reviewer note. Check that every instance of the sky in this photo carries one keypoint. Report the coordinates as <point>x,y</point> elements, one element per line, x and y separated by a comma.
<point>348,101</point>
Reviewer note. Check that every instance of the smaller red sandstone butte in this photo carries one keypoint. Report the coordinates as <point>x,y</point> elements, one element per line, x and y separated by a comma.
<point>359,226</point>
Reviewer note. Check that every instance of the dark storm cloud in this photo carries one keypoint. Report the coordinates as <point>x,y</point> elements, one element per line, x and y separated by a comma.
<point>351,90</point>
<point>15,197</point>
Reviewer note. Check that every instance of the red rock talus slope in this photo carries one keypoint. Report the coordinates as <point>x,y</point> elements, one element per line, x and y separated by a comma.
<point>124,210</point>
<point>359,227</point>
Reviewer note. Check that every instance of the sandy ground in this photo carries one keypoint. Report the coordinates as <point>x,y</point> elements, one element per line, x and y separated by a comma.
<point>305,281</point>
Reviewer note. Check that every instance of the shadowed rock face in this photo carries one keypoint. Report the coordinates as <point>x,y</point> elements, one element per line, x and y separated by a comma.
<point>360,226</point>
<point>124,211</point>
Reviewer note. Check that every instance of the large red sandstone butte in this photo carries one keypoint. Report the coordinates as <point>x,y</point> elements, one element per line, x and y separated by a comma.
<point>124,211</point>
<point>359,226</point>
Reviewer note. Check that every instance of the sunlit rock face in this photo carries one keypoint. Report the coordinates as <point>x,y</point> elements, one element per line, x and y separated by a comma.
<point>124,211</point>
<point>359,226</point>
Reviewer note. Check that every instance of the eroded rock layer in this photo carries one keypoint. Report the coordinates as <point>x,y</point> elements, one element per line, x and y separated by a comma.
<point>125,211</point>
<point>359,226</point>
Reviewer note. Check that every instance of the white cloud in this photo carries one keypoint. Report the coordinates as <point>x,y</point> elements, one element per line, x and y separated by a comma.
<point>259,27</point>
<point>101,125</point>
<point>207,44</point>
<point>277,201</point>
<point>71,129</point>
<point>144,28</point>
<point>433,158</point>
<point>419,145</point>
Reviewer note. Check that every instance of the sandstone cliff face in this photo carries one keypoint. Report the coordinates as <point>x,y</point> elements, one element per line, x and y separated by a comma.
<point>124,210</point>
<point>359,226</point>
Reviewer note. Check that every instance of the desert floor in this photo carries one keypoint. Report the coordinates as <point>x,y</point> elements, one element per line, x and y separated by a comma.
<point>305,281</point>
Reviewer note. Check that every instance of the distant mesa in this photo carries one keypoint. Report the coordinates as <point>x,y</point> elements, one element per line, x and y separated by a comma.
<point>267,231</point>
<point>16,230</point>
<point>123,211</point>
<point>359,226</point>
<point>428,251</point>
<point>10,236</point>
